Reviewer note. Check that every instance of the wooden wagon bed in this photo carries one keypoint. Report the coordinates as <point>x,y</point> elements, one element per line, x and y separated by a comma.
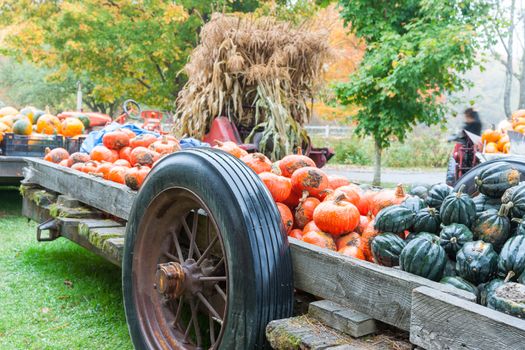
<point>92,212</point>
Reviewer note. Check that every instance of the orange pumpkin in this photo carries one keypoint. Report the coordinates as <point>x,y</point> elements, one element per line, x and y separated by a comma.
<point>352,194</point>
<point>364,220</point>
<point>72,127</point>
<point>289,164</point>
<point>49,125</point>
<point>122,162</point>
<point>293,199</point>
<point>90,167</point>
<point>258,162</point>
<point>286,216</point>
<point>304,212</point>
<point>104,168</point>
<point>115,139</point>
<point>165,146</point>
<point>230,147</point>
<point>143,140</point>
<point>336,216</point>
<point>351,239</point>
<point>502,141</point>
<point>125,153</point>
<point>135,176</point>
<point>77,166</point>
<point>129,132</point>
<point>319,239</point>
<point>64,163</point>
<point>337,181</point>
<point>279,186</point>
<point>310,179</point>
<point>353,252</point>
<point>143,156</point>
<point>506,148</point>
<point>56,155</point>
<point>366,238</point>
<point>490,135</point>
<point>296,233</point>
<point>520,113</point>
<point>23,126</point>
<point>311,226</point>
<point>386,198</point>
<point>78,157</point>
<point>366,202</point>
<point>491,147</point>
<point>520,128</point>
<point>102,153</point>
<point>117,174</point>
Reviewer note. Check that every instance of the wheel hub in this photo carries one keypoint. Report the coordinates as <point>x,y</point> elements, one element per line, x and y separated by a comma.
<point>170,279</point>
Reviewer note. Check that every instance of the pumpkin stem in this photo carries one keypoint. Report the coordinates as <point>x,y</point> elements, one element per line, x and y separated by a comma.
<point>259,156</point>
<point>503,210</point>
<point>47,150</point>
<point>478,181</point>
<point>303,198</point>
<point>509,276</point>
<point>219,143</point>
<point>400,191</point>
<point>454,240</point>
<point>299,151</point>
<point>460,191</point>
<point>339,198</point>
<point>518,220</point>
<point>433,212</point>
<point>276,170</point>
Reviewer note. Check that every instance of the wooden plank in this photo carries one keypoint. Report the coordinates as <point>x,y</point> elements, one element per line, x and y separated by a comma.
<point>110,197</point>
<point>443,321</point>
<point>348,321</point>
<point>380,292</point>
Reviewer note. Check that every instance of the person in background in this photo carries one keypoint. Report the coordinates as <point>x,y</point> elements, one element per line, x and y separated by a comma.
<point>472,122</point>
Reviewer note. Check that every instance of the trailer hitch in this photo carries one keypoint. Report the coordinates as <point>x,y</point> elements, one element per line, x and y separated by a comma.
<point>50,225</point>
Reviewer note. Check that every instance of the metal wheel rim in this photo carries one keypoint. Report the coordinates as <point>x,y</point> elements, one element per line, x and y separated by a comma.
<point>163,222</point>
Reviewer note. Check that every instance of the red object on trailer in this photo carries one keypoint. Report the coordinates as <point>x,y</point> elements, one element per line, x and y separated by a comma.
<point>95,118</point>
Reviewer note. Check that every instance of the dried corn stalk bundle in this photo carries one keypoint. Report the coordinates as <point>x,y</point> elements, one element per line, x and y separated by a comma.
<point>260,73</point>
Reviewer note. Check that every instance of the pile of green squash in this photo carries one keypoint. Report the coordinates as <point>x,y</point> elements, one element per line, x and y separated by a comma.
<point>472,243</point>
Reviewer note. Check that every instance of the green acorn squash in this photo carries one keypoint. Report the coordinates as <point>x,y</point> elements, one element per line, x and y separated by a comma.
<point>486,289</point>
<point>496,179</point>
<point>517,201</point>
<point>493,226</point>
<point>427,220</point>
<point>386,249</point>
<point>453,237</point>
<point>461,283</point>
<point>483,203</point>
<point>413,203</point>
<point>395,219</point>
<point>420,191</point>
<point>450,269</point>
<point>423,257</point>
<point>437,194</point>
<point>520,226</point>
<point>511,262</point>
<point>426,235</point>
<point>477,262</point>
<point>509,298</point>
<point>458,208</point>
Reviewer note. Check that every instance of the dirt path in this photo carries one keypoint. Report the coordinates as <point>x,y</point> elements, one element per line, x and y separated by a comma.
<point>389,176</point>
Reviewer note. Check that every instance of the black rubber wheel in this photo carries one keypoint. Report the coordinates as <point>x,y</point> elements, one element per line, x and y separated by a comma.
<point>258,283</point>
<point>468,178</point>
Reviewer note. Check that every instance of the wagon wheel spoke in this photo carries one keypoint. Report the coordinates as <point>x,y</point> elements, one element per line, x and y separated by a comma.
<point>172,257</point>
<point>219,264</point>
<point>208,249</point>
<point>220,291</point>
<point>196,326</point>
<point>212,329</point>
<point>179,310</point>
<point>189,233</point>
<point>177,246</point>
<point>210,308</point>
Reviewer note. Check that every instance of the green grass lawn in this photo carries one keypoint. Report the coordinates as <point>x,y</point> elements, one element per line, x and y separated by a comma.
<point>54,295</point>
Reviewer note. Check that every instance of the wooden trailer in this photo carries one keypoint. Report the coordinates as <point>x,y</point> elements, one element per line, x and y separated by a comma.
<point>206,265</point>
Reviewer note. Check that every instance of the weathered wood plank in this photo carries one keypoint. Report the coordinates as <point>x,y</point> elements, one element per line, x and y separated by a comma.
<point>443,321</point>
<point>348,321</point>
<point>110,197</point>
<point>380,292</point>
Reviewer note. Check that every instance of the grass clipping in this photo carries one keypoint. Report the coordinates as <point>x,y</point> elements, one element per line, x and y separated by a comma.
<point>261,73</point>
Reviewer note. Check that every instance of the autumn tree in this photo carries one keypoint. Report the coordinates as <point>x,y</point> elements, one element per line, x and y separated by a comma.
<point>120,48</point>
<point>416,51</point>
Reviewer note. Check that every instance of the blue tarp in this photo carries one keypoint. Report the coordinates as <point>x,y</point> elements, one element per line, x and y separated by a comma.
<point>94,138</point>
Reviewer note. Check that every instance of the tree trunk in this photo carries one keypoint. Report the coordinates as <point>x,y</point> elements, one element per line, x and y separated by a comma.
<point>522,79</point>
<point>377,164</point>
<point>508,66</point>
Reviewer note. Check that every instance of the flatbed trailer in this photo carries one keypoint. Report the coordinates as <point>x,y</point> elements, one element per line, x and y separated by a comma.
<point>11,170</point>
<point>246,294</point>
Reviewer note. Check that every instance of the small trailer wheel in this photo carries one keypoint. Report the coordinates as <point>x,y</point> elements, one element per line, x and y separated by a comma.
<point>206,261</point>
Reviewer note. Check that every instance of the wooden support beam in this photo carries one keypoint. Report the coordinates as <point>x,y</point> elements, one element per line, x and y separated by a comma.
<point>380,292</point>
<point>443,321</point>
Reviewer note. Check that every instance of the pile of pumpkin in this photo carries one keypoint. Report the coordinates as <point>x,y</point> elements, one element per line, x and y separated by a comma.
<point>475,244</point>
<point>124,157</point>
<point>496,140</point>
<point>32,121</point>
